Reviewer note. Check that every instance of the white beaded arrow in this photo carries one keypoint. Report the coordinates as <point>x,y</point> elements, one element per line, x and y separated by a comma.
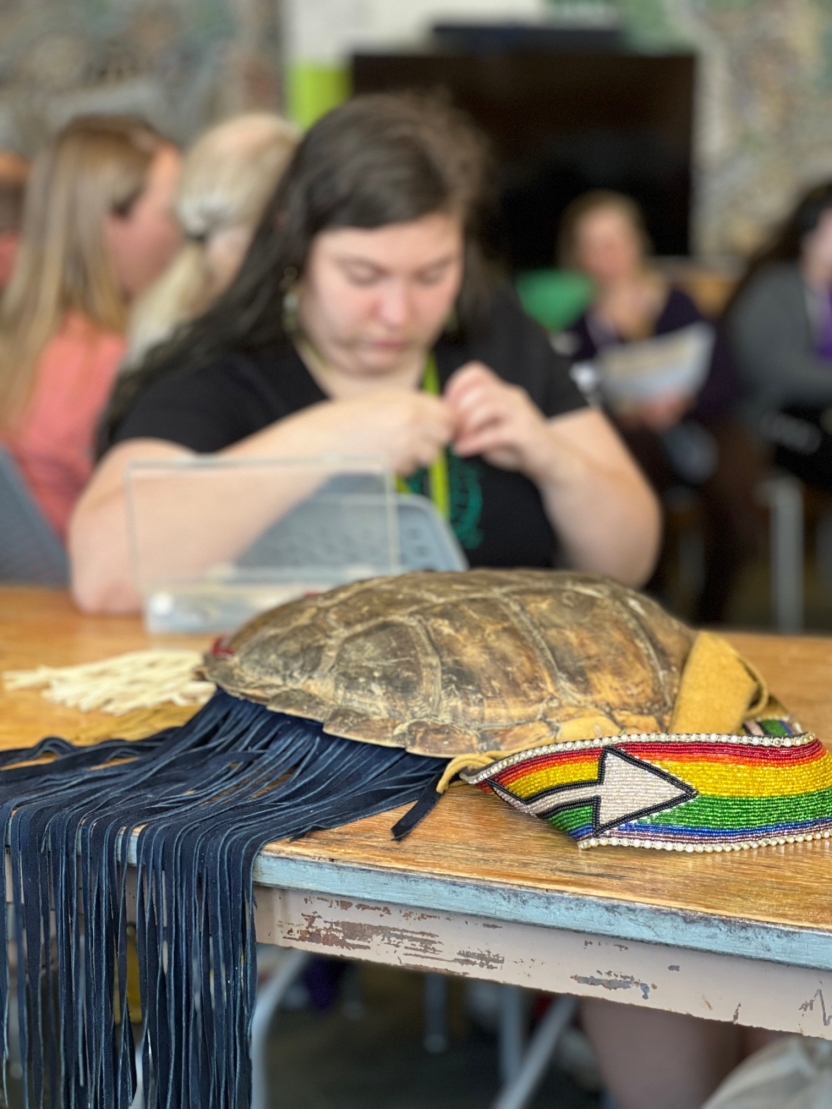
<point>626,788</point>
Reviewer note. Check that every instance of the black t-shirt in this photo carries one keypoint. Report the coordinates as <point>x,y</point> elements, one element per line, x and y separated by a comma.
<point>498,516</point>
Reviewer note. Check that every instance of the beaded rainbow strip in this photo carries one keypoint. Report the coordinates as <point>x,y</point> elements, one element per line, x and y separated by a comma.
<point>695,793</point>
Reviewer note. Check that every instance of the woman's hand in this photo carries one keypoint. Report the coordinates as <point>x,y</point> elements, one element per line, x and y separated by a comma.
<point>596,498</point>
<point>407,428</point>
<point>498,421</point>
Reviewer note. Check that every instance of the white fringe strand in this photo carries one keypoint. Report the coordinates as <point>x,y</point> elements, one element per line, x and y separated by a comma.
<point>118,685</point>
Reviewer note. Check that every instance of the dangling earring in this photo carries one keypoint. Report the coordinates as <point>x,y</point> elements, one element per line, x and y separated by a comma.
<point>452,322</point>
<point>290,308</point>
<point>291,317</point>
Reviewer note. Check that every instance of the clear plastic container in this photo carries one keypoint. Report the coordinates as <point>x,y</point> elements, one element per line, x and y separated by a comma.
<point>214,541</point>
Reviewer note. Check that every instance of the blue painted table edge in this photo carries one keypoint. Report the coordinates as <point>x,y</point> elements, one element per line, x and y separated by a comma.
<point>625,920</point>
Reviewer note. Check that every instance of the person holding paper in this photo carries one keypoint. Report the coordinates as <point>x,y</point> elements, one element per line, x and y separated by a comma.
<point>663,373</point>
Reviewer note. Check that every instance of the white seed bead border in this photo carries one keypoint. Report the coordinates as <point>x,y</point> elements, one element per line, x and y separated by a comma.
<point>703,849</point>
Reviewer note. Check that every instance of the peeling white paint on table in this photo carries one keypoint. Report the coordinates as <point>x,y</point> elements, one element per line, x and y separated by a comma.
<point>706,984</point>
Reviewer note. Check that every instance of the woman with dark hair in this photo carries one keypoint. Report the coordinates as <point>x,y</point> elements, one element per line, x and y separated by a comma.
<point>363,322</point>
<point>780,327</point>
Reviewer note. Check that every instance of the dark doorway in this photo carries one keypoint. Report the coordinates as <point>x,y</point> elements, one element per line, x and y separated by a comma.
<point>562,123</point>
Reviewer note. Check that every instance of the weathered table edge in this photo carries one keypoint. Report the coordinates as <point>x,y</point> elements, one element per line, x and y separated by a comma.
<point>755,940</point>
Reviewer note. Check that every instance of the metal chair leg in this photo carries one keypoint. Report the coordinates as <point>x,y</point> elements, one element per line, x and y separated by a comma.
<point>823,548</point>
<point>512,1031</point>
<point>436,1013</point>
<point>784,496</point>
<point>268,1000</point>
<point>520,1088</point>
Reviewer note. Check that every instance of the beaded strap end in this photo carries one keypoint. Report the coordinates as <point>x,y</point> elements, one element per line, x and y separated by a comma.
<point>697,793</point>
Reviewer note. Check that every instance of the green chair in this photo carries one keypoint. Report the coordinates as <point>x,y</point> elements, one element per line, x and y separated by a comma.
<point>555,298</point>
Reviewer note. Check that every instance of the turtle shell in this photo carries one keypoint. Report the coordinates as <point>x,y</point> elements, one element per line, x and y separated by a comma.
<point>449,664</point>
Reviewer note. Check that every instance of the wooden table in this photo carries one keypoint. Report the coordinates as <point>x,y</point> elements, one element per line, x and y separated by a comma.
<point>483,891</point>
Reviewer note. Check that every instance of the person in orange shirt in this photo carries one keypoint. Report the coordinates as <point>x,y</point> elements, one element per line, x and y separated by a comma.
<point>98,229</point>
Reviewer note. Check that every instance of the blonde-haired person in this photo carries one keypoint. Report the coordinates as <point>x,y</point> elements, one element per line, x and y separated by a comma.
<point>14,173</point>
<point>98,228</point>
<point>227,179</point>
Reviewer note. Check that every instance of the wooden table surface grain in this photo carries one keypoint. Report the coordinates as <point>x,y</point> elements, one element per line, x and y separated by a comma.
<point>473,841</point>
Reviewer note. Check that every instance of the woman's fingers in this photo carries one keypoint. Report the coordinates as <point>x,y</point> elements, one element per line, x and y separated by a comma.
<point>491,438</point>
<point>426,454</point>
<point>433,424</point>
<point>467,377</point>
<point>436,414</point>
<point>478,413</point>
<point>420,452</point>
<point>485,413</point>
<point>491,411</point>
<point>479,397</point>
<point>474,394</point>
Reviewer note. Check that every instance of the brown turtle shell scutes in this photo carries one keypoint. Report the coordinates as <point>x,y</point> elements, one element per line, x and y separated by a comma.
<point>448,664</point>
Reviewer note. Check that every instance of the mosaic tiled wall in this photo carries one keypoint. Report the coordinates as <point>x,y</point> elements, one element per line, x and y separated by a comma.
<point>180,63</point>
<point>765,108</point>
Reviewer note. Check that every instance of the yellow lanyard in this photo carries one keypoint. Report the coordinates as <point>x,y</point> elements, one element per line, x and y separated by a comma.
<point>438,485</point>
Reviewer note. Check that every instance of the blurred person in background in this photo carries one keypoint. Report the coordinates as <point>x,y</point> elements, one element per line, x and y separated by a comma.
<point>665,376</point>
<point>364,322</point>
<point>228,176</point>
<point>780,328</point>
<point>14,172</point>
<point>98,228</point>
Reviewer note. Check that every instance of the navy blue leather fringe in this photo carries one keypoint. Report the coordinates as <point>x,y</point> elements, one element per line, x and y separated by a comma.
<point>205,798</point>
